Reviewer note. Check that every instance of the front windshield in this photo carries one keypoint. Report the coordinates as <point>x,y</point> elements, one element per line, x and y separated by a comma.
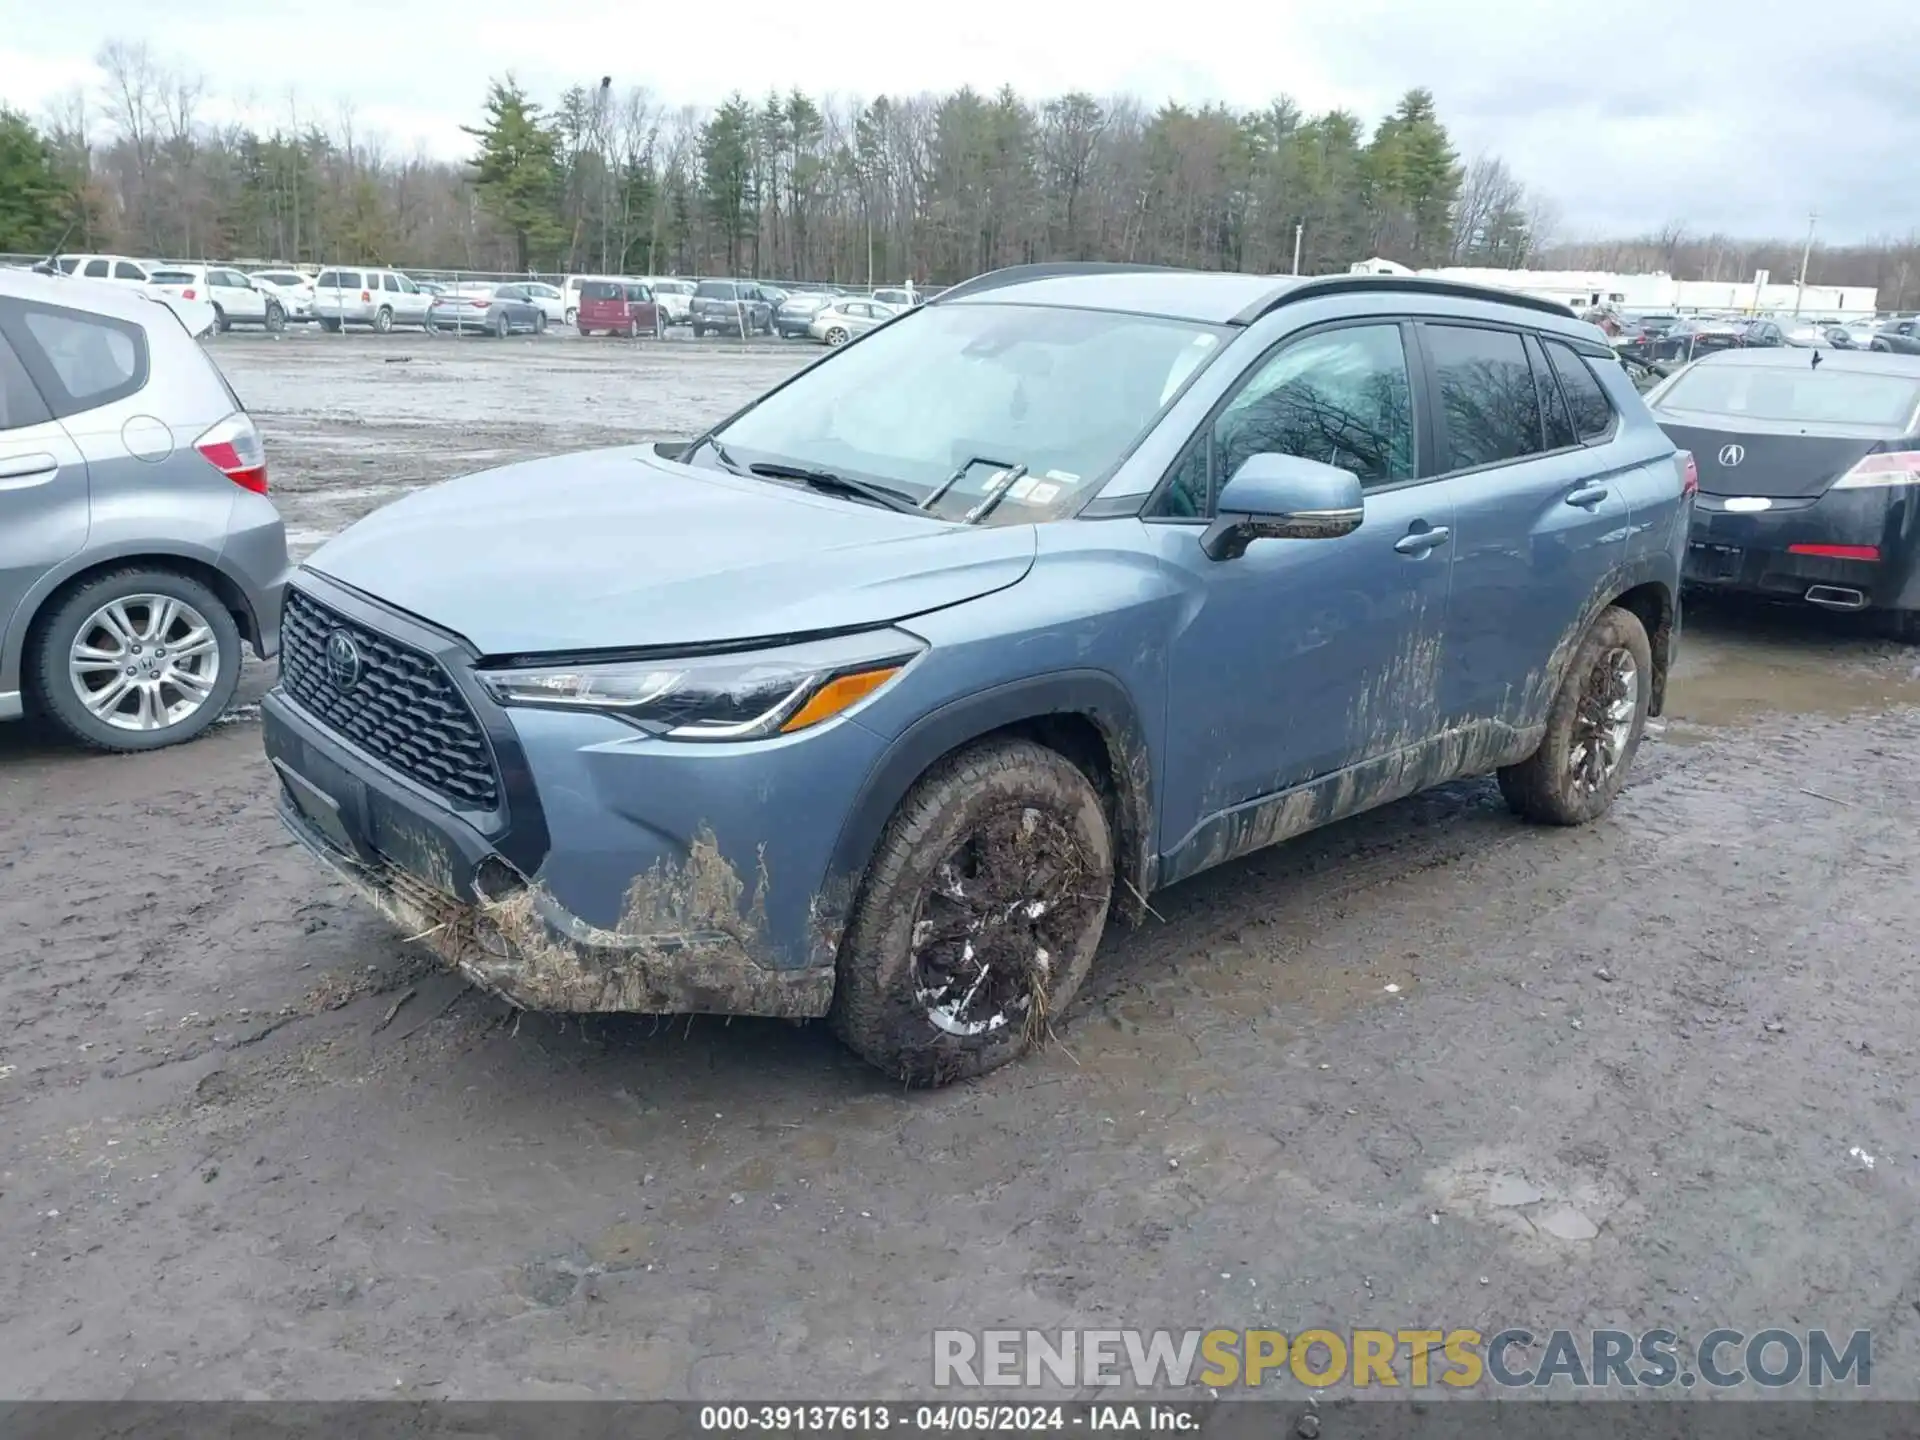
<point>1064,395</point>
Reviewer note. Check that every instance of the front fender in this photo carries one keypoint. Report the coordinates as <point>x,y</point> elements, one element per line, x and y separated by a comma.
<point>1091,694</point>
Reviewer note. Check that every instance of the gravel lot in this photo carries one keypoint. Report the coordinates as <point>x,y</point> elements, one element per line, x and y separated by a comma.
<point>250,1145</point>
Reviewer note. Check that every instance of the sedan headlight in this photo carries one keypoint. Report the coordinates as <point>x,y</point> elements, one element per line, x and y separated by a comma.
<point>743,695</point>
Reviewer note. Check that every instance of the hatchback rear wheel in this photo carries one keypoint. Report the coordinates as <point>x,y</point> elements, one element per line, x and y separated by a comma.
<point>979,916</point>
<point>136,659</point>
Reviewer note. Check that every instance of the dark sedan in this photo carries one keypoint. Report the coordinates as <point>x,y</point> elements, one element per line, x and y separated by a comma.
<point>498,310</point>
<point>1901,337</point>
<point>1809,465</point>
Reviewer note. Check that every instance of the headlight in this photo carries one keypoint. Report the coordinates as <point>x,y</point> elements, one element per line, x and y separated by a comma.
<point>741,696</point>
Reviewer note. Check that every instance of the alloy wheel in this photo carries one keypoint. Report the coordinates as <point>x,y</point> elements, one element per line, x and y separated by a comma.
<point>1603,722</point>
<point>144,662</point>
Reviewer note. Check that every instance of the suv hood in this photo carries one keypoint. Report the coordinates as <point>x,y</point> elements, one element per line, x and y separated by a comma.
<point>619,549</point>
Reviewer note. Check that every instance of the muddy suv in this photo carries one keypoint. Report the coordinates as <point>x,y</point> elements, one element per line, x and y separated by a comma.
<point>1076,581</point>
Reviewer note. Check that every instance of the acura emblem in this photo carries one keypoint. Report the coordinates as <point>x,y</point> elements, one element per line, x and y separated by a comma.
<point>1732,455</point>
<point>343,660</point>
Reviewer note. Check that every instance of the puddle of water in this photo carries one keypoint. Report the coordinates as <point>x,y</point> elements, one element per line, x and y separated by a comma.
<point>1726,680</point>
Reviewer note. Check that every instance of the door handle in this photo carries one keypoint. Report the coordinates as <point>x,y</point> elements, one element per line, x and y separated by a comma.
<point>1588,495</point>
<point>27,469</point>
<point>1419,542</point>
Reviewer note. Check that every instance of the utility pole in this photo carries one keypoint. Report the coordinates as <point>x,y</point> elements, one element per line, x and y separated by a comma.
<point>1299,229</point>
<point>1813,218</point>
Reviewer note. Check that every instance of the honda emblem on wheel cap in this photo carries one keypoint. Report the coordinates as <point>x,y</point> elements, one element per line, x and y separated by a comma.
<point>1732,455</point>
<point>343,660</point>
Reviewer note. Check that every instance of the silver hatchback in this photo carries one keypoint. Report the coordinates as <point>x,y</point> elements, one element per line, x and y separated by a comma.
<point>138,549</point>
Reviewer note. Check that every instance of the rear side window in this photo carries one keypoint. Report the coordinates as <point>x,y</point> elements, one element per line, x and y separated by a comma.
<point>122,270</point>
<point>81,360</point>
<point>1489,407</point>
<point>20,403</point>
<point>1591,410</point>
<point>96,269</point>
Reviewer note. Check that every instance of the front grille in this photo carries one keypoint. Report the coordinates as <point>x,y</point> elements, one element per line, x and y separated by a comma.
<point>403,710</point>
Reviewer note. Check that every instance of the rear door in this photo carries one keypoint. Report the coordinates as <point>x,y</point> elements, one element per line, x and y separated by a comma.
<point>1539,516</point>
<point>44,505</point>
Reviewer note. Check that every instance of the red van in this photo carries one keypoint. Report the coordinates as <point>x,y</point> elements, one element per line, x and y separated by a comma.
<point>619,307</point>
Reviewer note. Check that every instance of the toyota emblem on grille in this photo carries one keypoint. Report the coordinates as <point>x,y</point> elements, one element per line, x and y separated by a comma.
<point>1732,455</point>
<point>343,660</point>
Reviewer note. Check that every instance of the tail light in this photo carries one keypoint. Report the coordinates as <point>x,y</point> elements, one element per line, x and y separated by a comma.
<point>478,304</point>
<point>366,297</point>
<point>1837,552</point>
<point>187,294</point>
<point>233,448</point>
<point>1894,467</point>
<point>1689,473</point>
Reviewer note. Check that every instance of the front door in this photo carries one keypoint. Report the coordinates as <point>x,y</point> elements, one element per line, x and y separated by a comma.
<point>1301,657</point>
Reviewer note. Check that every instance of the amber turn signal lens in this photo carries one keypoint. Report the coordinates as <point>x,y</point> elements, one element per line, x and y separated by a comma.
<point>837,695</point>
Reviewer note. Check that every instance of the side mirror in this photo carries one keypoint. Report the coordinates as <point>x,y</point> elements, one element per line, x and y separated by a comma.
<point>1283,497</point>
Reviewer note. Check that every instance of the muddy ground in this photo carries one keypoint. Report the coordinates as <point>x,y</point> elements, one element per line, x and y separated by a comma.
<point>251,1146</point>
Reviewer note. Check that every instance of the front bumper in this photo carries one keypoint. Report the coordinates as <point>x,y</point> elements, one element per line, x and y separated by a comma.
<point>1750,553</point>
<point>619,873</point>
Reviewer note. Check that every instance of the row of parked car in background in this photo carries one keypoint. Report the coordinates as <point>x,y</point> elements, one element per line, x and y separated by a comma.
<point>1668,337</point>
<point>380,299</point>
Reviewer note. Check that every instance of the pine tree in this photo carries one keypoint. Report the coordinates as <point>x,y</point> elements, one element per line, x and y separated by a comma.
<point>33,195</point>
<point>517,172</point>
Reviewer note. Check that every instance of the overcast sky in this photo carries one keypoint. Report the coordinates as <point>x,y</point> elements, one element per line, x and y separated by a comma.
<point>1731,115</point>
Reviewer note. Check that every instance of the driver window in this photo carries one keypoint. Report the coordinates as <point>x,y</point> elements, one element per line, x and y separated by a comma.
<point>1342,397</point>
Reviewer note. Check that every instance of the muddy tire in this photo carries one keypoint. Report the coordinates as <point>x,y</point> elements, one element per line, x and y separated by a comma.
<point>1593,728</point>
<point>979,916</point>
<point>1901,625</point>
<point>383,320</point>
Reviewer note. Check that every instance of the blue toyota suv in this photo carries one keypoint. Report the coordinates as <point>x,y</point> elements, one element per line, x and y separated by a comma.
<point>873,701</point>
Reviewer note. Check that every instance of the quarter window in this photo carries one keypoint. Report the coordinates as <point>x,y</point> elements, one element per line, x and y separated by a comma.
<point>90,358</point>
<point>96,269</point>
<point>1489,407</point>
<point>1592,414</point>
<point>122,270</point>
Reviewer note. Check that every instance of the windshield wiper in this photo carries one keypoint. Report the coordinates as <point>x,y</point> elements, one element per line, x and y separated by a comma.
<point>834,484</point>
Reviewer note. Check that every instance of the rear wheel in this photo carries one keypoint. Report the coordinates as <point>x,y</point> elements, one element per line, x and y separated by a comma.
<point>699,331</point>
<point>220,322</point>
<point>135,660</point>
<point>500,326</point>
<point>836,336</point>
<point>383,320</point>
<point>573,318</point>
<point>1593,727</point>
<point>1901,625</point>
<point>540,322</point>
<point>979,916</point>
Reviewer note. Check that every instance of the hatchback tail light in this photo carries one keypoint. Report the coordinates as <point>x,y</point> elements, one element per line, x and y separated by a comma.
<point>1894,467</point>
<point>187,294</point>
<point>1689,473</point>
<point>233,448</point>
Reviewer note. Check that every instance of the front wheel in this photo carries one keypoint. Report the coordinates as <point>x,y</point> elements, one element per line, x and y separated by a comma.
<point>383,320</point>
<point>979,916</point>
<point>1593,727</point>
<point>573,318</point>
<point>540,323</point>
<point>276,318</point>
<point>220,322</point>
<point>332,327</point>
<point>136,659</point>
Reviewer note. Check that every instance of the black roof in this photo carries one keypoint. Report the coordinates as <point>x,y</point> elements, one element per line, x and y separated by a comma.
<point>1213,297</point>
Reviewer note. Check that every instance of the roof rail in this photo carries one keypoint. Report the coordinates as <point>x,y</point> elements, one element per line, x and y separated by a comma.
<point>1319,285</point>
<point>1021,274</point>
